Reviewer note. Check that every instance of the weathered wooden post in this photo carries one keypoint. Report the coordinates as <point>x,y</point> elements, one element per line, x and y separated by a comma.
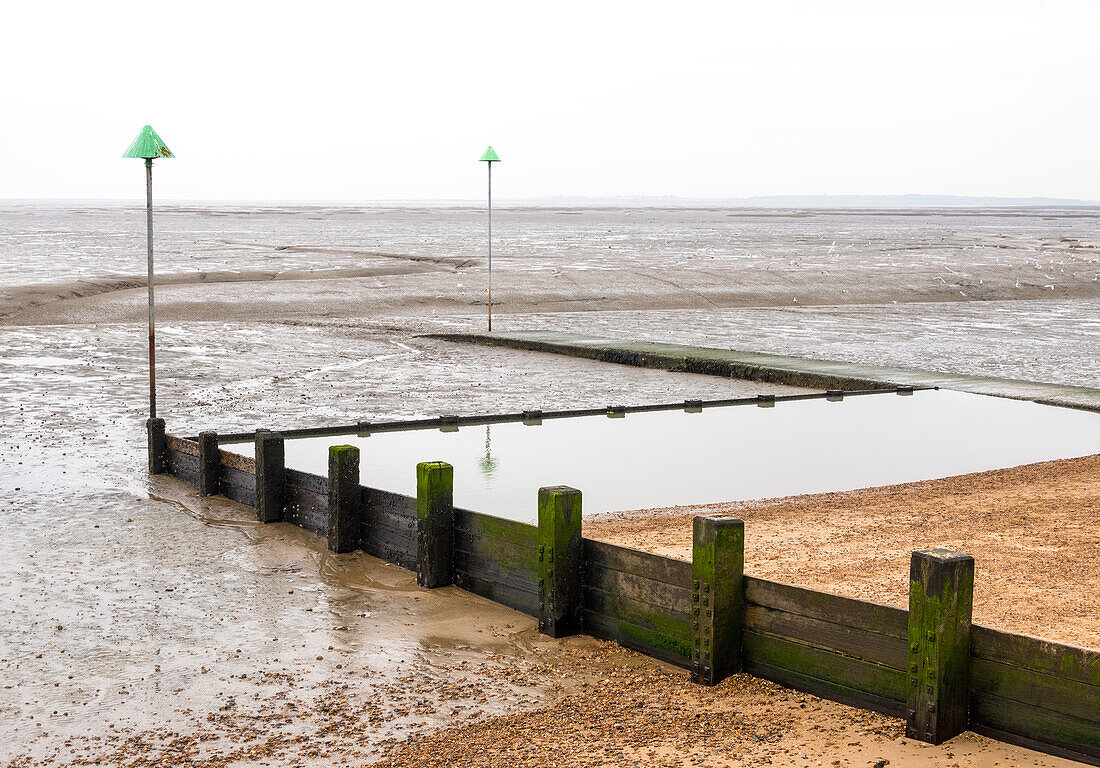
<point>209,463</point>
<point>941,600</point>
<point>434,523</point>
<point>270,476</point>
<point>158,446</point>
<point>717,597</point>
<point>343,498</point>
<point>560,561</point>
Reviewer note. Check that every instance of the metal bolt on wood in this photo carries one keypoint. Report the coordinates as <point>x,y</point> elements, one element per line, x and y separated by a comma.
<point>560,561</point>
<point>941,599</point>
<point>717,597</point>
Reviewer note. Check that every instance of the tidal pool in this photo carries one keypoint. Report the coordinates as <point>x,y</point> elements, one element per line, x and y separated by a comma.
<point>724,453</point>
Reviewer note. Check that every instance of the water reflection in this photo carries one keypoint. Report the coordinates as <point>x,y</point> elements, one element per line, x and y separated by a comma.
<point>668,458</point>
<point>487,463</point>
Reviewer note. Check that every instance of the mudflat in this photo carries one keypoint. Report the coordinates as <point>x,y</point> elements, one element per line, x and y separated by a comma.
<point>146,625</point>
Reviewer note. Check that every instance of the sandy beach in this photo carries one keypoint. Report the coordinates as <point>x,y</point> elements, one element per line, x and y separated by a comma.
<point>150,626</point>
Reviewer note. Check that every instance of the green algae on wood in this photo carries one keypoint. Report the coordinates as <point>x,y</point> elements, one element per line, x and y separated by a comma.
<point>560,561</point>
<point>941,600</point>
<point>434,523</point>
<point>718,596</point>
<point>343,498</point>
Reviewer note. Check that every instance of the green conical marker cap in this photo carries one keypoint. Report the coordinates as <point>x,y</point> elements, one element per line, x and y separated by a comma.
<point>490,156</point>
<point>148,145</point>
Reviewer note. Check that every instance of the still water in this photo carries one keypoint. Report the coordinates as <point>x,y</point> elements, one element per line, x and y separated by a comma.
<point>668,458</point>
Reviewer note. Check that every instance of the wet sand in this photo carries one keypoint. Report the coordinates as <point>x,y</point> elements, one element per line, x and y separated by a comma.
<point>121,641</point>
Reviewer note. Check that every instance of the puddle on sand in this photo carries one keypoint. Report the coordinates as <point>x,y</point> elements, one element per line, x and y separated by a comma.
<point>735,453</point>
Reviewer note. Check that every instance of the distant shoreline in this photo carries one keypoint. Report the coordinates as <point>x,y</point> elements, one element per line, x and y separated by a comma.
<point>847,203</point>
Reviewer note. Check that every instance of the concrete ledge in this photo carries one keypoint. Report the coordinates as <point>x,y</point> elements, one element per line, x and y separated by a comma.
<point>776,369</point>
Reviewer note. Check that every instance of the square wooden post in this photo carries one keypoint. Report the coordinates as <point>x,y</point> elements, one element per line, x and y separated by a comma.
<point>270,476</point>
<point>560,561</point>
<point>158,446</point>
<point>717,597</point>
<point>434,523</point>
<point>941,600</point>
<point>209,463</point>
<point>343,498</point>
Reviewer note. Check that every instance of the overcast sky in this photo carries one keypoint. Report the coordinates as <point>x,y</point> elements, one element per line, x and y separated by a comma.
<point>372,101</point>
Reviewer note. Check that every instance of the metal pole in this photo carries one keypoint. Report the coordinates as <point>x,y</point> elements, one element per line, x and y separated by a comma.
<point>152,332</point>
<point>490,164</point>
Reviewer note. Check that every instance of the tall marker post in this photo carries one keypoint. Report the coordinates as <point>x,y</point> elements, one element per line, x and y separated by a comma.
<point>148,146</point>
<point>489,157</point>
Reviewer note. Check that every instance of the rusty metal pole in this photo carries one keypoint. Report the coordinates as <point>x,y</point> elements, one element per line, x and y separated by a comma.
<point>152,326</point>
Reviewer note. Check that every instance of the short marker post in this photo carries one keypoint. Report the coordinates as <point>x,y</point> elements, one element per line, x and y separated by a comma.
<point>560,561</point>
<point>158,446</point>
<point>343,498</point>
<point>941,600</point>
<point>434,523</point>
<point>717,597</point>
<point>270,477</point>
<point>209,463</point>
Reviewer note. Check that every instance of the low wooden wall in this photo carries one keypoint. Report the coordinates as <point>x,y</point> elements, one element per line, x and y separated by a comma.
<point>842,649</point>
<point>639,600</point>
<point>1036,693</point>
<point>497,559</point>
<point>387,527</point>
<point>1024,690</point>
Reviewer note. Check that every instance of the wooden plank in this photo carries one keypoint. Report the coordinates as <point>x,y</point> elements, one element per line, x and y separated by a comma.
<point>236,461</point>
<point>520,600</point>
<point>474,564</point>
<point>367,530</point>
<point>826,689</point>
<point>1035,744</point>
<point>495,527</point>
<point>307,509</point>
<point>858,643</point>
<point>621,608</point>
<point>827,666</point>
<point>656,567</point>
<point>861,614</point>
<point>674,650</point>
<point>240,495</point>
<point>658,594</point>
<point>1042,725</point>
<point>181,445</point>
<point>390,541</point>
<point>387,550</point>
<point>178,462</point>
<point>183,473</point>
<point>307,482</point>
<point>310,519</point>
<point>392,503</point>
<point>235,477</point>
<point>1037,689</point>
<point>381,518</point>
<point>1066,661</point>
<point>509,555</point>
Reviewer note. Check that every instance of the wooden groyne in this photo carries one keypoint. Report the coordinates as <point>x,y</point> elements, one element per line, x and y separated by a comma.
<point>929,664</point>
